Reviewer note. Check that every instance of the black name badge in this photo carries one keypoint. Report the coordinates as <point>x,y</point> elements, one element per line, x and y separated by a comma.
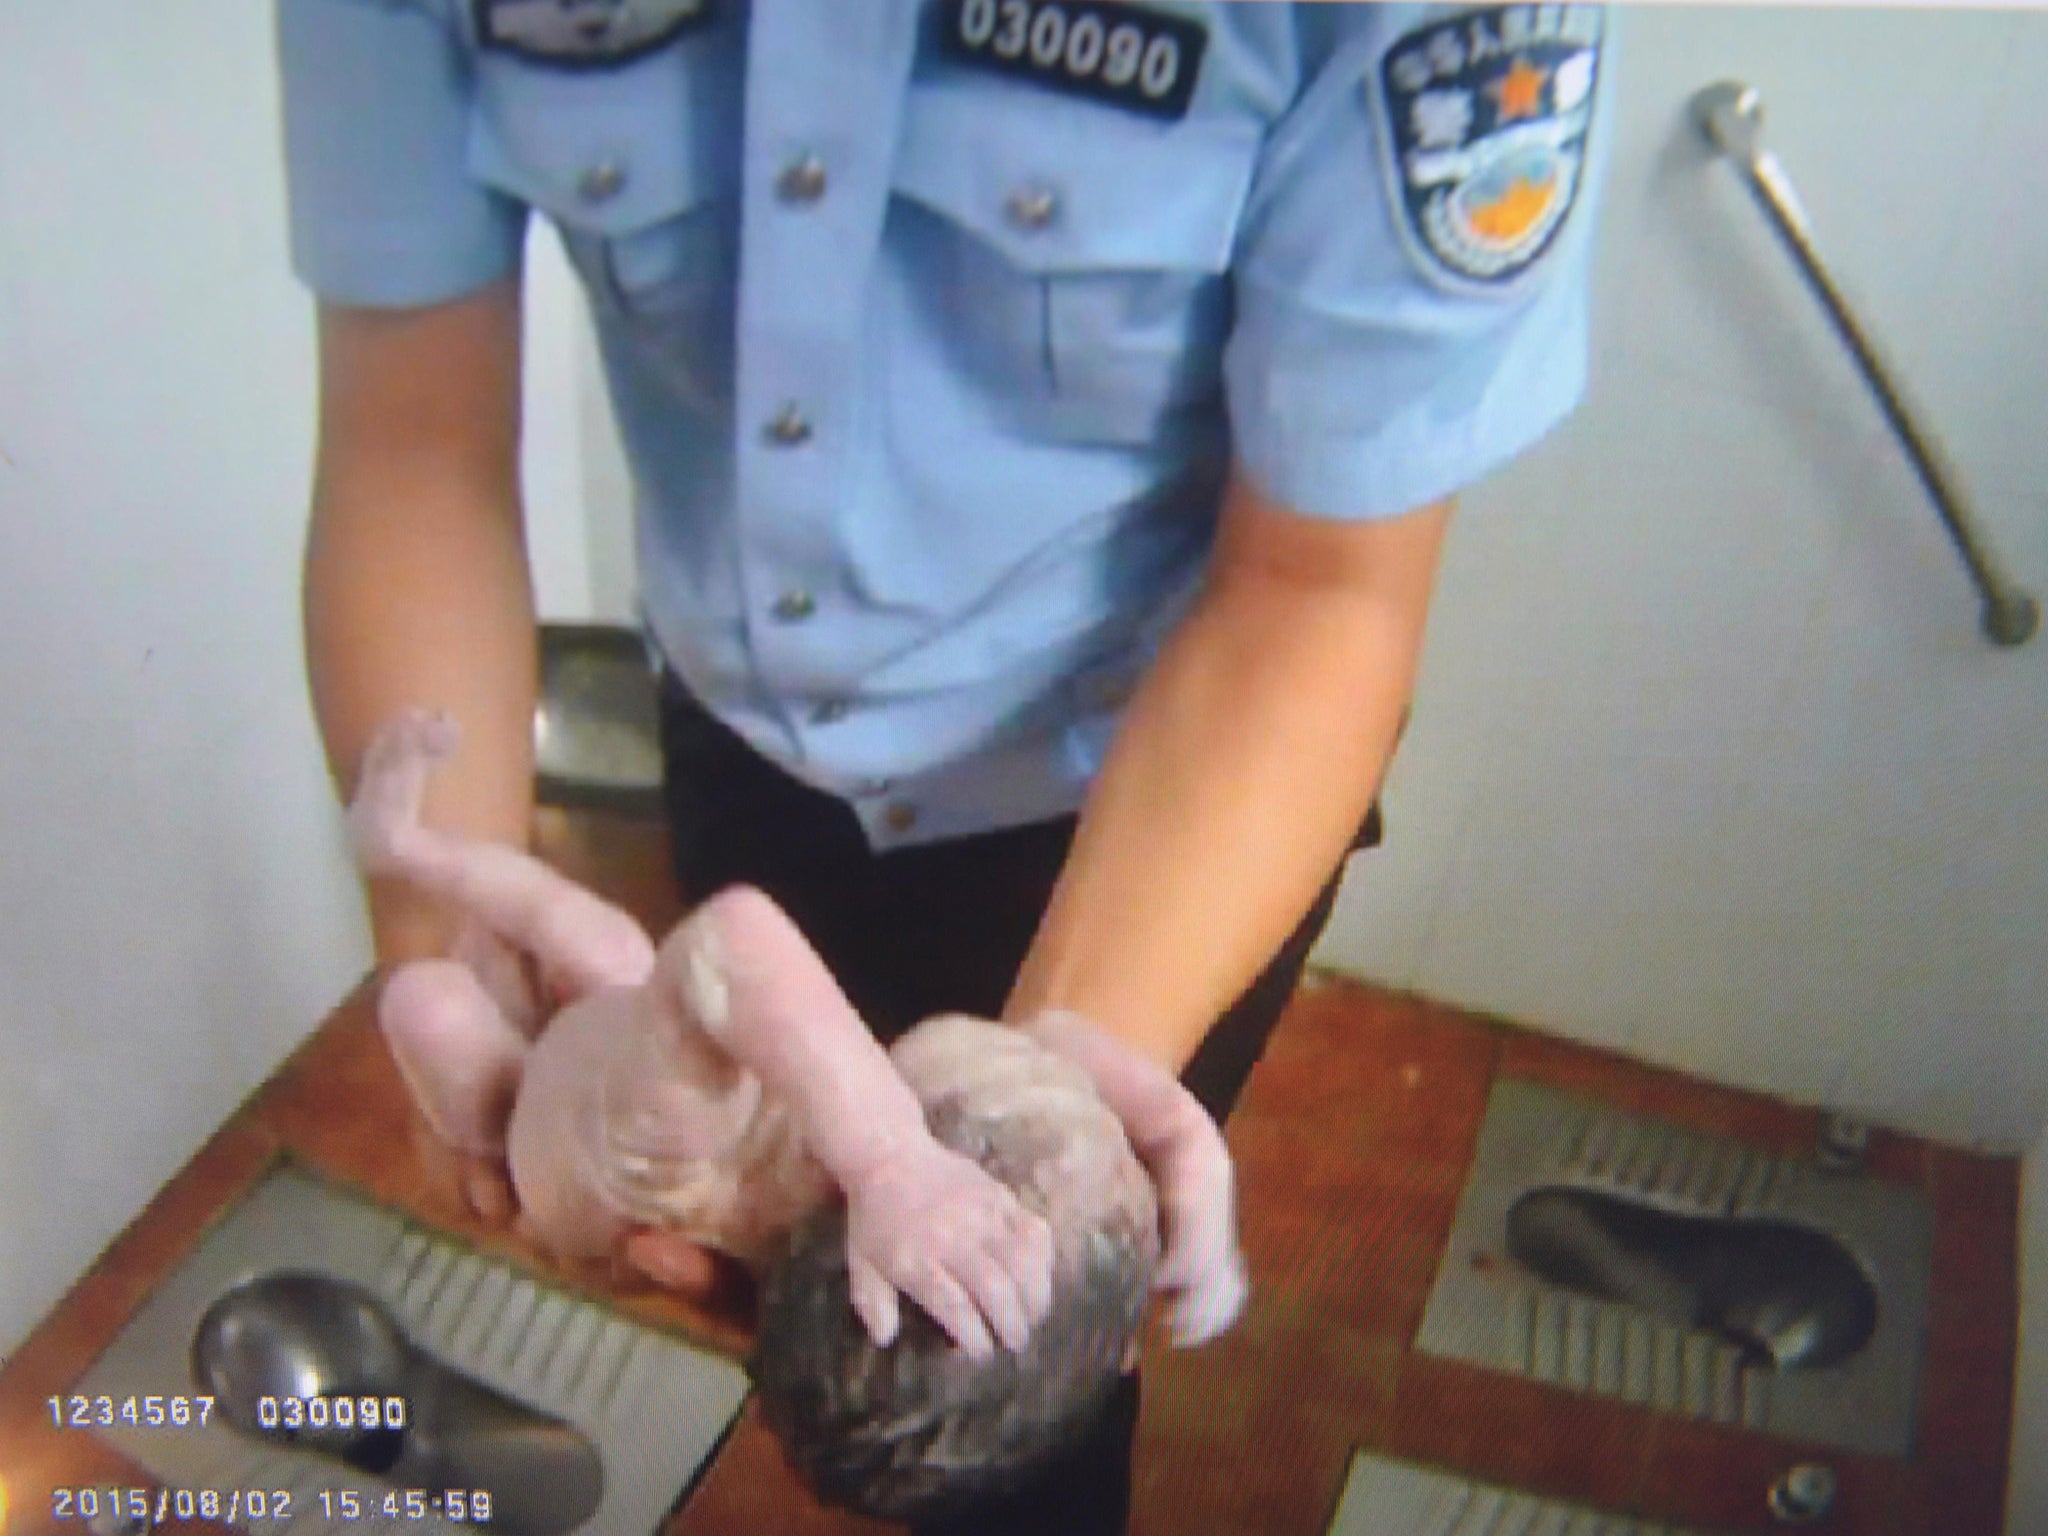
<point>586,34</point>
<point>1127,56</point>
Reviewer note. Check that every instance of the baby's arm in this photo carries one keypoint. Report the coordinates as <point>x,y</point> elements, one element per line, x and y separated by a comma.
<point>1189,1162</point>
<point>580,941</point>
<point>920,1219</point>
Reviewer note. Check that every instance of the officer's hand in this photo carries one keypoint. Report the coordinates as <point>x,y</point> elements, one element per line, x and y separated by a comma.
<point>1201,1269</point>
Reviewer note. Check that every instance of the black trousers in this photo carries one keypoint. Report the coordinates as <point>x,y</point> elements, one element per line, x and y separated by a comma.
<point>939,927</point>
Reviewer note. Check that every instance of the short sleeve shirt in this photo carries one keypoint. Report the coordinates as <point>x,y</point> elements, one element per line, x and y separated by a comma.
<point>934,327</point>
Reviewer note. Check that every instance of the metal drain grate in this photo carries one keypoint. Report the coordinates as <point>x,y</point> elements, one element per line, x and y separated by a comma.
<point>654,1408</point>
<point>1395,1498</point>
<point>1487,1310</point>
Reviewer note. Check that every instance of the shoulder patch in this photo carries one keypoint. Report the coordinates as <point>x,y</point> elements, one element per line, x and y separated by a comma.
<point>585,34</point>
<point>1482,129</point>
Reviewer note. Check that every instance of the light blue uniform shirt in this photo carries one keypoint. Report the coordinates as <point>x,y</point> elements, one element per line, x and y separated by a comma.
<point>932,326</point>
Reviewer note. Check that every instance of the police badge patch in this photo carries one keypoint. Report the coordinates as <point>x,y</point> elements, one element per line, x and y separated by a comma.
<point>585,34</point>
<point>1483,136</point>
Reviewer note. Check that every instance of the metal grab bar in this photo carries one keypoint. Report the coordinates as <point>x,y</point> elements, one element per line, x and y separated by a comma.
<point>1730,115</point>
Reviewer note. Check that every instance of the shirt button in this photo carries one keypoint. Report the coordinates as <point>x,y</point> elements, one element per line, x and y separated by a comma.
<point>790,427</point>
<point>802,180</point>
<point>602,181</point>
<point>900,816</point>
<point>793,605</point>
<point>1032,207</point>
<point>831,712</point>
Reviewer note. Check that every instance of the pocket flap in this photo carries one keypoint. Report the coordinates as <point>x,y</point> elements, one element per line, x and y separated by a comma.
<point>609,151</point>
<point>1059,189</point>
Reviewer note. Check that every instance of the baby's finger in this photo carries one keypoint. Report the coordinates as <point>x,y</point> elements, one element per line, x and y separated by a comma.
<point>995,1290</point>
<point>944,1298</point>
<point>874,1301</point>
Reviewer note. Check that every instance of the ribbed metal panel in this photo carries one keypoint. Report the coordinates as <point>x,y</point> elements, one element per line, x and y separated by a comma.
<point>1384,1497</point>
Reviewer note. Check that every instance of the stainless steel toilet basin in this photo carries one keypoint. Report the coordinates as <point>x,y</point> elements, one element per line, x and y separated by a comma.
<point>566,1415</point>
<point>1786,1296</point>
<point>1627,1257</point>
<point>305,1360</point>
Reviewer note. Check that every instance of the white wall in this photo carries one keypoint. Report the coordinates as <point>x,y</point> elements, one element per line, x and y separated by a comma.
<point>1709,763</point>
<point>179,911</point>
<point>2026,1504</point>
<point>176,907</point>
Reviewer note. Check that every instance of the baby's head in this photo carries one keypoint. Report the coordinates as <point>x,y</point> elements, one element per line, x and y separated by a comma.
<point>907,1431</point>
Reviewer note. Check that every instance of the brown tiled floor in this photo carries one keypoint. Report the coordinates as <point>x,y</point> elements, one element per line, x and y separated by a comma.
<point>1353,1141</point>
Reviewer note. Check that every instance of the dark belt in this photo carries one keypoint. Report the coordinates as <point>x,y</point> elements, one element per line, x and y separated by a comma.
<point>685,719</point>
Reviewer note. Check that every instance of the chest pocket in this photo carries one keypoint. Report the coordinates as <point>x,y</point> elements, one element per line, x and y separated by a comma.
<point>1074,258</point>
<point>638,168</point>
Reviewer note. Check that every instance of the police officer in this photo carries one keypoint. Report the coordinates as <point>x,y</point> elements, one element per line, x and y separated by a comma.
<point>1045,416</point>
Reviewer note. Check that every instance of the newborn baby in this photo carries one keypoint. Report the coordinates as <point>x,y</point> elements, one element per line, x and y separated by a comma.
<point>1012,1182</point>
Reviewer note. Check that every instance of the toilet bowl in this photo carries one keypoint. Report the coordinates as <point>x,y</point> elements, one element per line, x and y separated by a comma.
<point>559,1411</point>
<point>1788,1297</point>
<point>1624,1256</point>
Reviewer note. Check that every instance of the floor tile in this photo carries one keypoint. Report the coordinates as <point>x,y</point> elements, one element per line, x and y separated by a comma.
<point>750,1488</point>
<point>1707,1475</point>
<point>1967,1500</point>
<point>1966,1382</point>
<point>1976,1226</point>
<point>1517,1432</point>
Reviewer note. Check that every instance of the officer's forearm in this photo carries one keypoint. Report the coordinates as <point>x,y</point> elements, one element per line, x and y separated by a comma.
<point>422,611</point>
<point>1245,764</point>
<point>416,584</point>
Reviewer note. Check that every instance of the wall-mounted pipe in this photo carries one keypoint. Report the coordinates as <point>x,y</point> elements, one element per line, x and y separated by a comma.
<point>1730,115</point>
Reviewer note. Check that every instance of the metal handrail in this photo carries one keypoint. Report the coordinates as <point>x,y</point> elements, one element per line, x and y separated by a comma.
<point>1730,115</point>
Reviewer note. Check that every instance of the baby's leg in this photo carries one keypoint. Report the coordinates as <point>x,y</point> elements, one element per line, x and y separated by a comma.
<point>580,941</point>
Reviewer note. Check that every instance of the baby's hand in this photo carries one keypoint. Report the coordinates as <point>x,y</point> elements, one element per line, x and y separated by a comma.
<point>933,1225</point>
